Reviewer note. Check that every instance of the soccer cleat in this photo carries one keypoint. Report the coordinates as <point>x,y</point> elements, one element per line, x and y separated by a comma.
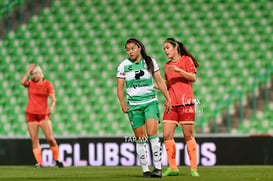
<point>38,165</point>
<point>156,173</point>
<point>147,174</point>
<point>170,172</point>
<point>194,173</point>
<point>59,164</point>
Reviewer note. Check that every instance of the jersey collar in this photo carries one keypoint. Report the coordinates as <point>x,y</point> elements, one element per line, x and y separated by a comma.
<point>140,61</point>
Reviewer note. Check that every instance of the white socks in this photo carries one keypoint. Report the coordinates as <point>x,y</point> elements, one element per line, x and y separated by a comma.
<point>142,155</point>
<point>157,152</point>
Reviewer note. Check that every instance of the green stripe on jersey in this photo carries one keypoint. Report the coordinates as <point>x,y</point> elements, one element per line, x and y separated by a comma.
<point>139,83</point>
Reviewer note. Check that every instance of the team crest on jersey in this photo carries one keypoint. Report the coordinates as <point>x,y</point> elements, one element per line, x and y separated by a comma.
<point>128,68</point>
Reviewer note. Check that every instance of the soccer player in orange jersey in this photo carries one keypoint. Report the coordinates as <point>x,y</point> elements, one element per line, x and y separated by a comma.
<point>37,112</point>
<point>180,73</point>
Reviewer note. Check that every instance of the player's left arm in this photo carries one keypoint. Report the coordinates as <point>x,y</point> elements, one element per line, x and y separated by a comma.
<point>53,103</point>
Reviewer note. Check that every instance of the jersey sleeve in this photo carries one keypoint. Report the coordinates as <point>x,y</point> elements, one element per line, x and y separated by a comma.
<point>50,89</point>
<point>190,65</point>
<point>156,66</point>
<point>28,82</point>
<point>165,74</point>
<point>120,71</point>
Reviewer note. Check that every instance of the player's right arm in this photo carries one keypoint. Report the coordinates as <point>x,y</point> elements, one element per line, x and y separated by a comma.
<point>120,92</point>
<point>24,81</point>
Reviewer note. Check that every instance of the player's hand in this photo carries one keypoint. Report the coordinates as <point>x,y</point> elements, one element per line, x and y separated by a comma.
<point>173,68</point>
<point>50,111</point>
<point>125,108</point>
<point>168,106</point>
<point>156,86</point>
<point>31,67</point>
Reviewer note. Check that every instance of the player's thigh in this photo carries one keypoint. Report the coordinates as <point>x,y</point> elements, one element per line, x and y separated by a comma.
<point>188,131</point>
<point>151,111</point>
<point>152,118</point>
<point>46,127</point>
<point>136,116</point>
<point>33,129</point>
<point>152,126</point>
<point>186,114</point>
<point>169,127</point>
<point>170,123</point>
<point>140,133</point>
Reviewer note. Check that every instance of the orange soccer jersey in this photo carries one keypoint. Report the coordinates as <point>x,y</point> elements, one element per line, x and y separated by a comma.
<point>180,89</point>
<point>37,96</point>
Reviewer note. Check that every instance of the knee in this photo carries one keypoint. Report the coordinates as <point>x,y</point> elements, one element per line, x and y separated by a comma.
<point>51,141</point>
<point>35,139</point>
<point>140,136</point>
<point>167,136</point>
<point>188,137</point>
<point>151,133</point>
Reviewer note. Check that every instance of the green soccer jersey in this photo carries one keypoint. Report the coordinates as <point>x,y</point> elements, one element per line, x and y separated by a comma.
<point>139,81</point>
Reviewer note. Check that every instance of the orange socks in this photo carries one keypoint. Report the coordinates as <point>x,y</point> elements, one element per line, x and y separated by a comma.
<point>171,152</point>
<point>55,151</point>
<point>38,155</point>
<point>191,148</point>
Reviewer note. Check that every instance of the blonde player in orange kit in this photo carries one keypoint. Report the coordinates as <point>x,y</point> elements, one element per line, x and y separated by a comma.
<point>180,73</point>
<point>37,112</point>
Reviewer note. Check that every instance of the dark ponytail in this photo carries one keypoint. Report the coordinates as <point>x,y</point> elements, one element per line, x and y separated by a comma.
<point>182,50</point>
<point>148,59</point>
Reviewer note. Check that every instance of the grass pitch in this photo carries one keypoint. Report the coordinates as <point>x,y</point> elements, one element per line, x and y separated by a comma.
<point>215,173</point>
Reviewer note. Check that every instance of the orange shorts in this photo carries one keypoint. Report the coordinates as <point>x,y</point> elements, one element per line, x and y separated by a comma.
<point>36,117</point>
<point>180,114</point>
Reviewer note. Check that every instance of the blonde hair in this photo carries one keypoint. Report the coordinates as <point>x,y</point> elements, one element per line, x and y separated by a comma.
<point>36,69</point>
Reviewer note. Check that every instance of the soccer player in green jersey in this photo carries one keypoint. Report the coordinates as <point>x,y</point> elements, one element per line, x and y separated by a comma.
<point>137,73</point>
